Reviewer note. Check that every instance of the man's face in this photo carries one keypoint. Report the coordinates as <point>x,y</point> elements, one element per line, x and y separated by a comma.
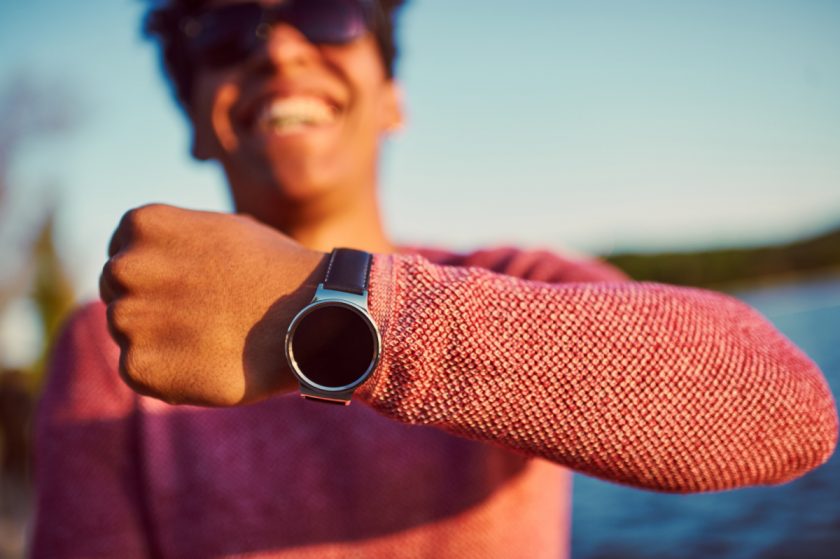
<point>295,120</point>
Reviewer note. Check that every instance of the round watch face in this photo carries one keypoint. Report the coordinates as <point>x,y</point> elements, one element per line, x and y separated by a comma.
<point>333,345</point>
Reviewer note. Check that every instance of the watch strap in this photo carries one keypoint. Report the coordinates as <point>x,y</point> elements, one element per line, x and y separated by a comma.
<point>348,270</point>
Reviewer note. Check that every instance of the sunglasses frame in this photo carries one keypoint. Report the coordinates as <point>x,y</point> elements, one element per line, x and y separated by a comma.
<point>192,26</point>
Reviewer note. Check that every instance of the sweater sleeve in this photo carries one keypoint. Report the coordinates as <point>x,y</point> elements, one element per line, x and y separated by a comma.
<point>87,502</point>
<point>659,387</point>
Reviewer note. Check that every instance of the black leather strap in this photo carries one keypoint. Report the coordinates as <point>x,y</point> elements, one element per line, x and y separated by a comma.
<point>348,270</point>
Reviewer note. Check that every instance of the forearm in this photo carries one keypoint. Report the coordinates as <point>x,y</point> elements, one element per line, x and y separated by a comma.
<point>651,385</point>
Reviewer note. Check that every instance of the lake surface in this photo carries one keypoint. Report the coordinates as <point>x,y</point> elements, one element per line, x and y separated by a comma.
<point>797,520</point>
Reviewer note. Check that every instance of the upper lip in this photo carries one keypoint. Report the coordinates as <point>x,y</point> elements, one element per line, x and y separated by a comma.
<point>248,109</point>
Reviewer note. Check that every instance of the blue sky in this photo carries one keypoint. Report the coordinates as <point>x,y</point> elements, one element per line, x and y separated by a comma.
<point>590,126</point>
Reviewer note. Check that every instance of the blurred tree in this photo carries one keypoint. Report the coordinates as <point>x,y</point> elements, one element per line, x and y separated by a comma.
<point>29,111</point>
<point>52,292</point>
<point>731,267</point>
<point>32,269</point>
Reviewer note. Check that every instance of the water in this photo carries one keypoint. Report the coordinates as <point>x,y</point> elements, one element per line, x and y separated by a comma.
<point>797,520</point>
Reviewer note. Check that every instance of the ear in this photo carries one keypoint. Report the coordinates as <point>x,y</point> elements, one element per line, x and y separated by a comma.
<point>393,111</point>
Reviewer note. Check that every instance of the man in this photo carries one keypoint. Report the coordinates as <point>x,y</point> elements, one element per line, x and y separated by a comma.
<point>497,370</point>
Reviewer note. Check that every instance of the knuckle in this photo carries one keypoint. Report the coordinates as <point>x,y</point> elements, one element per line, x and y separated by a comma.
<point>140,219</point>
<point>119,268</point>
<point>153,207</point>
<point>118,314</point>
<point>115,332</point>
<point>133,372</point>
<point>129,220</point>
<point>106,290</point>
<point>143,223</point>
<point>122,270</point>
<point>149,214</point>
<point>113,268</point>
<point>115,273</point>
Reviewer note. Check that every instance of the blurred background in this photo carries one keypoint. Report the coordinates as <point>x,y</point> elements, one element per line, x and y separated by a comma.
<point>692,142</point>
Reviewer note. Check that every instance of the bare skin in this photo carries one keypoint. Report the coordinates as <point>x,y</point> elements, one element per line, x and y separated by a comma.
<point>199,301</point>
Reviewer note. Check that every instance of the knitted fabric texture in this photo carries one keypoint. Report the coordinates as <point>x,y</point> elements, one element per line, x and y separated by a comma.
<point>499,366</point>
<point>666,388</point>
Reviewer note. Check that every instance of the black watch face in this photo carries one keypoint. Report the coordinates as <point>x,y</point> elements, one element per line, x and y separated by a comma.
<point>333,346</point>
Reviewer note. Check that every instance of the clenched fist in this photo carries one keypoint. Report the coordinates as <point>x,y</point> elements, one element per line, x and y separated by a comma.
<point>199,303</point>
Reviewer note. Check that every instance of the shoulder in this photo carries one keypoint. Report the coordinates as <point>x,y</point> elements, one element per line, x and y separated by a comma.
<point>531,264</point>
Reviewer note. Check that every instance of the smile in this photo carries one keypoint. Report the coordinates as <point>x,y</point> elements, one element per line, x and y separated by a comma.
<point>296,113</point>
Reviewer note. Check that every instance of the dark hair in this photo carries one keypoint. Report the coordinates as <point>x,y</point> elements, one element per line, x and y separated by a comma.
<point>163,23</point>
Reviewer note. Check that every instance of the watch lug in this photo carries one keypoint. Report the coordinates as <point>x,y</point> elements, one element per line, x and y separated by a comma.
<point>322,293</point>
<point>333,398</point>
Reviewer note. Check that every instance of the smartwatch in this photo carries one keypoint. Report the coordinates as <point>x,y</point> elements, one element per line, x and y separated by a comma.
<point>333,344</point>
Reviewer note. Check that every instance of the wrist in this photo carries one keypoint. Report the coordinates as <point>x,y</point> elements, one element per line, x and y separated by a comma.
<point>263,357</point>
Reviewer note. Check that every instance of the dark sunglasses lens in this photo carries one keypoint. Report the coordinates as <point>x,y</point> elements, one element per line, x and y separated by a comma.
<point>329,21</point>
<point>226,35</point>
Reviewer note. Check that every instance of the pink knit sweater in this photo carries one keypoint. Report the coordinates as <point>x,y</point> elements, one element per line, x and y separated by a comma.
<point>500,370</point>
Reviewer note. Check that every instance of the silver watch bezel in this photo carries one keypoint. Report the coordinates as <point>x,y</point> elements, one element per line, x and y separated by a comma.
<point>332,298</point>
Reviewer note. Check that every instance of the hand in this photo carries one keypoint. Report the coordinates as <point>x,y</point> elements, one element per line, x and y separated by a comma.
<point>199,303</point>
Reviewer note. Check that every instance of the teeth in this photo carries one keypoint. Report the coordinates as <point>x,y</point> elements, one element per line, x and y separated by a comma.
<point>293,113</point>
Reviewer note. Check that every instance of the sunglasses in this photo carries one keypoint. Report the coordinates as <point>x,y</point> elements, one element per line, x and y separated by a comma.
<point>229,34</point>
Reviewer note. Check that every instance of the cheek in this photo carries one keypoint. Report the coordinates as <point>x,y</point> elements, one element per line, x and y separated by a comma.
<point>361,68</point>
<point>202,101</point>
<point>374,103</point>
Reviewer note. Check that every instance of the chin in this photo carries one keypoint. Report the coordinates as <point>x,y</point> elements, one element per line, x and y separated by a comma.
<point>263,182</point>
<point>299,182</point>
<point>275,187</point>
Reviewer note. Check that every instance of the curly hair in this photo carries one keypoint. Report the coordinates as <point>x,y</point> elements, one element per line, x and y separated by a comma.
<point>163,22</point>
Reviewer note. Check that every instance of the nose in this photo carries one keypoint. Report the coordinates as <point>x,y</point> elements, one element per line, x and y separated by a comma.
<point>283,47</point>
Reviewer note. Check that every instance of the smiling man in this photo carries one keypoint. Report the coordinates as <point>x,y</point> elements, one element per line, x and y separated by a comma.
<point>480,380</point>
<point>296,122</point>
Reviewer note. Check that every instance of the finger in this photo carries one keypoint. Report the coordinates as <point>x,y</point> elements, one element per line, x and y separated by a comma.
<point>116,241</point>
<point>127,362</point>
<point>106,293</point>
<point>123,233</point>
<point>109,287</point>
<point>111,321</point>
